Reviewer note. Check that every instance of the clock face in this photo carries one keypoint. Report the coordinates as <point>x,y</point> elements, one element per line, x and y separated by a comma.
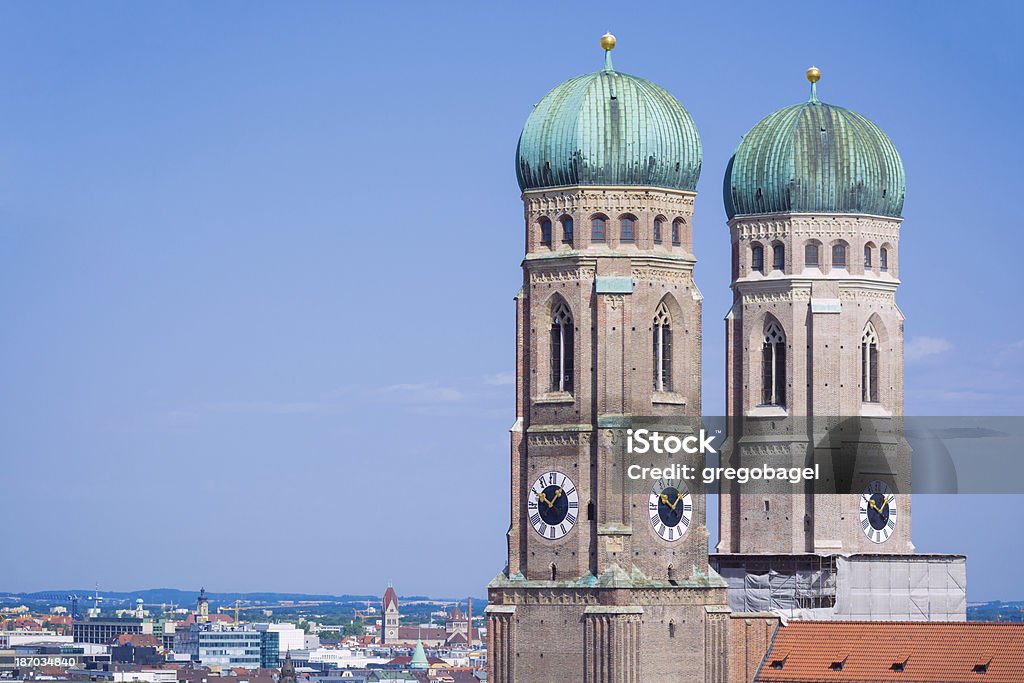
<point>878,512</point>
<point>670,508</point>
<point>553,505</point>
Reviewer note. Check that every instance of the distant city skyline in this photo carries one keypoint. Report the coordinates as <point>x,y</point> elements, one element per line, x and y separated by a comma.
<point>229,354</point>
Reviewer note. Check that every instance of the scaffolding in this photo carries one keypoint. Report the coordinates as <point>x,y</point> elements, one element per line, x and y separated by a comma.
<point>860,587</point>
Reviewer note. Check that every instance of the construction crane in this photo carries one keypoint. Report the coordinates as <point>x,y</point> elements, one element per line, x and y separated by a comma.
<point>235,609</point>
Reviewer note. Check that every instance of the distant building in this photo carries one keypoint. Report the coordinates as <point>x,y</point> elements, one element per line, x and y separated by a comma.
<point>147,676</point>
<point>100,631</point>
<point>389,608</point>
<point>13,638</point>
<point>202,607</point>
<point>287,638</point>
<point>26,658</point>
<point>145,650</point>
<point>287,670</point>
<point>456,624</point>
<point>217,647</point>
<point>270,648</point>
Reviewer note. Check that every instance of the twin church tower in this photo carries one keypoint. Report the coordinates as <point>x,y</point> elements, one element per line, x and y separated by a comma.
<point>606,582</point>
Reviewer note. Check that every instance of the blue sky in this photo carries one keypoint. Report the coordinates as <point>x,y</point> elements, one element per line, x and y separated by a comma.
<point>258,263</point>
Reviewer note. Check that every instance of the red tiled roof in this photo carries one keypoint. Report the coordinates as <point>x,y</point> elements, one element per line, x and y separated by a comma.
<point>389,597</point>
<point>137,639</point>
<point>893,652</point>
<point>421,633</point>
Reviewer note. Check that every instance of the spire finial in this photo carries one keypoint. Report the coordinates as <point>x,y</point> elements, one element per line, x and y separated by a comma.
<point>814,75</point>
<point>608,44</point>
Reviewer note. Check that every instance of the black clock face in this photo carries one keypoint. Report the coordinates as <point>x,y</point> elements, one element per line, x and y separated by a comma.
<point>553,505</point>
<point>878,512</point>
<point>670,507</point>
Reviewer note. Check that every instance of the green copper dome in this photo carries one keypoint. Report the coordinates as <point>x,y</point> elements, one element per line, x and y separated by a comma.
<point>608,128</point>
<point>815,158</point>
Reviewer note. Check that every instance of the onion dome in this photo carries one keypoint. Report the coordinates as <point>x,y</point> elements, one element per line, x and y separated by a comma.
<point>815,157</point>
<point>609,128</point>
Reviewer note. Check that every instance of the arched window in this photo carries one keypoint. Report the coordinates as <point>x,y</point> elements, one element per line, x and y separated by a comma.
<point>626,224</point>
<point>677,229</point>
<point>811,253</point>
<point>597,229</point>
<point>838,255</point>
<point>662,349</point>
<point>657,230</point>
<point>757,258</point>
<point>869,365</point>
<point>867,257</point>
<point>778,257</point>
<point>671,629</point>
<point>545,231</point>
<point>773,366</point>
<point>883,259</point>
<point>561,349</point>
<point>567,230</point>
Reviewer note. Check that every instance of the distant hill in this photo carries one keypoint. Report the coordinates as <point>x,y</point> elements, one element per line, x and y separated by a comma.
<point>996,610</point>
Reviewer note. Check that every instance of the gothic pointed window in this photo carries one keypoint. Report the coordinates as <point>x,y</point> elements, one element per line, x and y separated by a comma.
<point>662,349</point>
<point>869,365</point>
<point>867,257</point>
<point>567,230</point>
<point>561,349</point>
<point>778,257</point>
<point>757,258</point>
<point>883,259</point>
<point>597,229</point>
<point>811,255</point>
<point>627,228</point>
<point>657,230</point>
<point>545,231</point>
<point>677,229</point>
<point>773,366</point>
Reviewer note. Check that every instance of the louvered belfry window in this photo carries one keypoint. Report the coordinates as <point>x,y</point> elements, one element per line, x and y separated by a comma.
<point>561,349</point>
<point>773,366</point>
<point>662,351</point>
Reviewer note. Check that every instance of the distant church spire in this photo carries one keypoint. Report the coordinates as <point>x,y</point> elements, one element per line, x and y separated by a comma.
<point>287,670</point>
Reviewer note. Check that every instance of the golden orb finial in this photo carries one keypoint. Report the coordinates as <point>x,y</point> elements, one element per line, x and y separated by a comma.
<point>814,74</point>
<point>608,41</point>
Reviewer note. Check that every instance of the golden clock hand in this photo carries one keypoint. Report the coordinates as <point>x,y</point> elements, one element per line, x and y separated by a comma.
<point>664,499</point>
<point>679,497</point>
<point>544,499</point>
